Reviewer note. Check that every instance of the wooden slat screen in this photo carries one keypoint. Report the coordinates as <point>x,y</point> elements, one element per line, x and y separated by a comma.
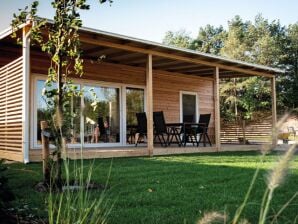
<point>11,127</point>
<point>257,132</point>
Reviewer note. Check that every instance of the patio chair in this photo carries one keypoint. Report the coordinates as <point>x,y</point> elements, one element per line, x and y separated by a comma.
<point>193,129</point>
<point>203,128</point>
<point>104,135</point>
<point>141,127</point>
<point>160,128</point>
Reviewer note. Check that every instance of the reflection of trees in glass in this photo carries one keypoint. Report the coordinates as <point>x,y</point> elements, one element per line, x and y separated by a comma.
<point>71,109</point>
<point>134,104</point>
<point>107,108</point>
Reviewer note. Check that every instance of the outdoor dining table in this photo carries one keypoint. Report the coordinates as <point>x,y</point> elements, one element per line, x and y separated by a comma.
<point>178,130</point>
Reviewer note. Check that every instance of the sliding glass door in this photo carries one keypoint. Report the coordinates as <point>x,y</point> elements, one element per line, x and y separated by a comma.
<point>103,116</point>
<point>101,119</point>
<point>135,103</point>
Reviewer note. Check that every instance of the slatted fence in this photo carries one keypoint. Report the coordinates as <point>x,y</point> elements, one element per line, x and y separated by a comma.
<point>257,132</point>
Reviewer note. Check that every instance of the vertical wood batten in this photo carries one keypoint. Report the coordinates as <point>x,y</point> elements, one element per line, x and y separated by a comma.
<point>149,107</point>
<point>274,118</point>
<point>216,108</point>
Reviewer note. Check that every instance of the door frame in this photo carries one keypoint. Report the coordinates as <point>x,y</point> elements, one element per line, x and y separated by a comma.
<point>181,104</point>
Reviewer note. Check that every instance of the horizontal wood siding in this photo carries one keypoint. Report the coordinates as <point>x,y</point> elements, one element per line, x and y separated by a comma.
<point>11,127</point>
<point>99,71</point>
<point>257,132</point>
<point>166,95</point>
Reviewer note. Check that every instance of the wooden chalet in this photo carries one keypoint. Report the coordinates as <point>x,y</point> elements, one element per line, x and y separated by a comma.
<point>132,76</point>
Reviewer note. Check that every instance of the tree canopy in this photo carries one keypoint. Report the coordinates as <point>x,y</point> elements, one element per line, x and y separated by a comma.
<point>260,41</point>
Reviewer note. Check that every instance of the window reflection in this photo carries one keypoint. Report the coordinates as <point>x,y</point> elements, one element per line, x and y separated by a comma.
<point>101,124</point>
<point>46,111</point>
<point>134,104</point>
<point>45,108</point>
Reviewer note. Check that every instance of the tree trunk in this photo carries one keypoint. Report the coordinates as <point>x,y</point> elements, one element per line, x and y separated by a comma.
<point>45,153</point>
<point>59,125</point>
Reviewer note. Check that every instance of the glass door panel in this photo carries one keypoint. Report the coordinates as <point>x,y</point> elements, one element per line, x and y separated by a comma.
<point>45,108</point>
<point>101,123</point>
<point>189,107</point>
<point>46,111</point>
<point>135,103</point>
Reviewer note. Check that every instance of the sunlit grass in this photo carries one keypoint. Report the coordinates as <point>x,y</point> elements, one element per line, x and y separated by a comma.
<point>175,189</point>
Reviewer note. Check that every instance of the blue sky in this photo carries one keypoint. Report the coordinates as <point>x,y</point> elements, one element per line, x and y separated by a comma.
<point>150,19</point>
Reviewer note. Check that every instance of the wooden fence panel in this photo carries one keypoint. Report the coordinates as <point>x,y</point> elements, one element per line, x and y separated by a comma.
<point>257,132</point>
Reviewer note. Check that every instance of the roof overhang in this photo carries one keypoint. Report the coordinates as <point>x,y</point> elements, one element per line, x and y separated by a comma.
<point>120,49</point>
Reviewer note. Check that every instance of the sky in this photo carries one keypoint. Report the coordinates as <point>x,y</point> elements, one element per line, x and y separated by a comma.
<point>151,19</point>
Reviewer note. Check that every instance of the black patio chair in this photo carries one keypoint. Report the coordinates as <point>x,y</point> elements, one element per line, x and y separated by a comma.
<point>203,128</point>
<point>103,130</point>
<point>160,128</point>
<point>192,130</point>
<point>141,127</point>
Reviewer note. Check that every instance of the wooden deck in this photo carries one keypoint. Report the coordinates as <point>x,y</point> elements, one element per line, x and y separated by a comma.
<point>131,151</point>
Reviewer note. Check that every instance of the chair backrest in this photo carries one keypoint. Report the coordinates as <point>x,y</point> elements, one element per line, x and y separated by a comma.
<point>142,122</point>
<point>101,125</point>
<point>159,122</point>
<point>188,118</point>
<point>205,118</point>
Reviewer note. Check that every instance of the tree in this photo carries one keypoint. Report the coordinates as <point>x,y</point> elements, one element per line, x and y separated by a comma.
<point>209,40</point>
<point>177,39</point>
<point>289,81</point>
<point>60,41</point>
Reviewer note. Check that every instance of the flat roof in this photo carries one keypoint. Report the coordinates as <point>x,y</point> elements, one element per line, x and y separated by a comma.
<point>169,58</point>
<point>187,52</point>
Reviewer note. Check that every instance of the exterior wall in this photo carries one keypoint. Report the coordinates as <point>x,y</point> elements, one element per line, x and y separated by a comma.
<point>166,95</point>
<point>166,86</point>
<point>11,127</point>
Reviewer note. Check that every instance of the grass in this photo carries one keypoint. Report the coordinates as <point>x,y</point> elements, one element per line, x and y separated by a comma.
<point>172,189</point>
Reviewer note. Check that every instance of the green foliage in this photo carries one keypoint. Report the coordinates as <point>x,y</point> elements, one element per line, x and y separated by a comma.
<point>75,203</point>
<point>60,41</point>
<point>210,39</point>
<point>261,42</point>
<point>177,39</point>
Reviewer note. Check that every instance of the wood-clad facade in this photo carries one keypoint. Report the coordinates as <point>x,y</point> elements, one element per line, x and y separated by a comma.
<point>163,74</point>
<point>11,96</point>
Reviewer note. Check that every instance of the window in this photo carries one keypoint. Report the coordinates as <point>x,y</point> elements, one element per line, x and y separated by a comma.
<point>45,111</point>
<point>134,104</point>
<point>188,107</point>
<point>101,124</point>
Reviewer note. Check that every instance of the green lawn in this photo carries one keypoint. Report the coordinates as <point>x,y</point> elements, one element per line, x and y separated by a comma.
<point>181,187</point>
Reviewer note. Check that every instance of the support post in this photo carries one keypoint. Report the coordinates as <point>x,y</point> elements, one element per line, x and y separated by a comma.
<point>45,152</point>
<point>274,118</point>
<point>216,109</point>
<point>25,107</point>
<point>149,104</point>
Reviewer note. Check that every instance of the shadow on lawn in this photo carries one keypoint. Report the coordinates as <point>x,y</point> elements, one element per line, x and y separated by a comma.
<point>176,189</point>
